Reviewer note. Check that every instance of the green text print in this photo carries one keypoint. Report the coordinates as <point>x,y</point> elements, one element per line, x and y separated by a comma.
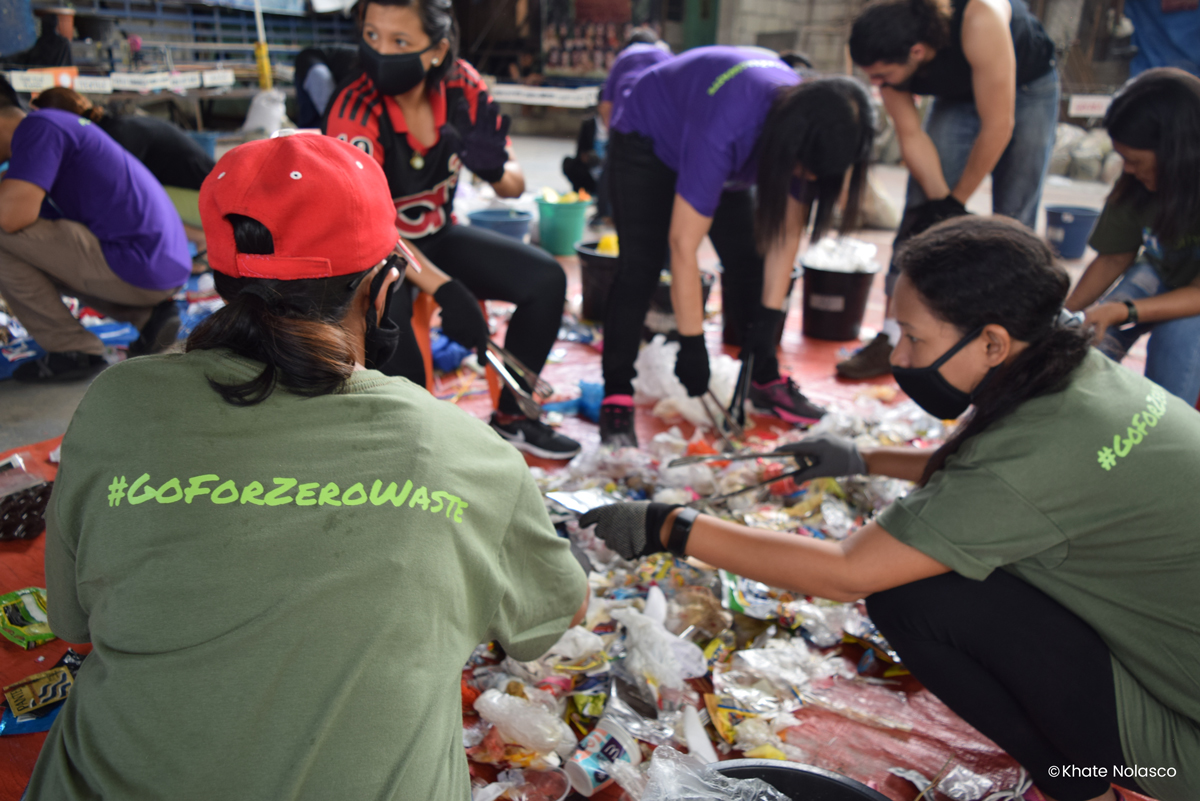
<point>1138,429</point>
<point>284,491</point>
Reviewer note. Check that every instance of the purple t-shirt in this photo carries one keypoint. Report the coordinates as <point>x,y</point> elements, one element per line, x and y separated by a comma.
<point>92,180</point>
<point>704,110</point>
<point>630,64</point>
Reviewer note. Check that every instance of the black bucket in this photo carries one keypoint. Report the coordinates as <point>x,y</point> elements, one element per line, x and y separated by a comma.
<point>834,303</point>
<point>800,782</point>
<point>597,273</point>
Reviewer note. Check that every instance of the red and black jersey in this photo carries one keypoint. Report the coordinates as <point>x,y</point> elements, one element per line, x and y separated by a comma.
<point>422,179</point>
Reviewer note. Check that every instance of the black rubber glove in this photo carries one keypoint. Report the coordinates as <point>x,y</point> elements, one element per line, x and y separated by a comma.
<point>834,456</point>
<point>462,318</point>
<point>920,218</point>
<point>483,141</point>
<point>630,529</point>
<point>691,365</point>
<point>763,332</point>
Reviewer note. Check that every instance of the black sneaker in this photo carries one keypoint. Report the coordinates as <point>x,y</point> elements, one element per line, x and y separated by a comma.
<point>870,361</point>
<point>160,330</point>
<point>533,436</point>
<point>783,399</point>
<point>616,426</point>
<point>70,365</point>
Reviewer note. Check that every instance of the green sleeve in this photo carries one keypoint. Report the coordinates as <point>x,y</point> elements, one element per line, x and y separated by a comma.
<point>543,583</point>
<point>1119,229</point>
<point>67,618</point>
<point>971,521</point>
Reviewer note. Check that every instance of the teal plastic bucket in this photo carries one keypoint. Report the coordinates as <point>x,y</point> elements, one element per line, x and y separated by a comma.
<point>510,222</point>
<point>560,225</point>
<point>206,140</point>
<point>1068,229</point>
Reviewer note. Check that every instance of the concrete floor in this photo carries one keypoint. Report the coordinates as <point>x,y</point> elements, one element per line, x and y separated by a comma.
<point>31,413</point>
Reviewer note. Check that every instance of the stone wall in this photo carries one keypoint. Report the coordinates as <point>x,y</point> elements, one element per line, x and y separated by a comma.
<point>818,28</point>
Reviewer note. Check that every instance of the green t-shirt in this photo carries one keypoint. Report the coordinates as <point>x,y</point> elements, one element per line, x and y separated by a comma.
<point>282,597</point>
<point>1090,495</point>
<point>1122,228</point>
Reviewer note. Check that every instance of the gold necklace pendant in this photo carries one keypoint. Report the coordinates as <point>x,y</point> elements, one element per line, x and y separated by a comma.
<point>417,161</point>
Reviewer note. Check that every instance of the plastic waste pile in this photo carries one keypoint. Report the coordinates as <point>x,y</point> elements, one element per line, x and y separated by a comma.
<point>676,654</point>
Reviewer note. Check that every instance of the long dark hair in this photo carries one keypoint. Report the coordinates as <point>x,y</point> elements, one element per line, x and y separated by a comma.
<point>886,31</point>
<point>292,327</point>
<point>826,126</point>
<point>1159,110</point>
<point>438,22</point>
<point>973,272</point>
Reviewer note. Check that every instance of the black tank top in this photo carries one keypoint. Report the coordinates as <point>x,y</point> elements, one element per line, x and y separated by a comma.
<point>948,75</point>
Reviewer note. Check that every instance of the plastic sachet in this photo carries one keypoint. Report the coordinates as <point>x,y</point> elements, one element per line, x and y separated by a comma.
<point>23,617</point>
<point>672,776</point>
<point>964,785</point>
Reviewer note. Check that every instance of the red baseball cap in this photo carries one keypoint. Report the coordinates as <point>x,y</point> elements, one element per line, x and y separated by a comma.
<point>326,204</point>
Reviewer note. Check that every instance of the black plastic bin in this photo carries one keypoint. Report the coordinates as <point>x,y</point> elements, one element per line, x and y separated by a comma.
<point>597,272</point>
<point>834,303</point>
<point>800,782</point>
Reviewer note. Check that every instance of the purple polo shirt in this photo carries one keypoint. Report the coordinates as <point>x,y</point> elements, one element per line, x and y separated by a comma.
<point>630,64</point>
<point>704,110</point>
<point>92,180</point>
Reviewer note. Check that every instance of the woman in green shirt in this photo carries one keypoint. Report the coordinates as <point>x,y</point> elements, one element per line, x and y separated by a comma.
<point>1148,236</point>
<point>281,557</point>
<point>1073,476</point>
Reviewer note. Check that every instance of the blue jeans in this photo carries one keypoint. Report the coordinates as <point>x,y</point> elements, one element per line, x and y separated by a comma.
<point>1173,352</point>
<point>1018,177</point>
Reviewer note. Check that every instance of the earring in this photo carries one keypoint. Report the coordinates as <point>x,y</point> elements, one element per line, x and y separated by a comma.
<point>435,62</point>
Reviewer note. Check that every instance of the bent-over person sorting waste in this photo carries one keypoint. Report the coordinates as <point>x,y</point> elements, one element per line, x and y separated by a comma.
<point>1041,577</point>
<point>282,558</point>
<point>689,140</point>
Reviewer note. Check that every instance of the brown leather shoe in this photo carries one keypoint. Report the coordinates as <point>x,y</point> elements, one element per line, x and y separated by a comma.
<point>869,362</point>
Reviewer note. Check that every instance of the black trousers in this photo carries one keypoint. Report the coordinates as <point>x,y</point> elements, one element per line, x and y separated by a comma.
<point>643,195</point>
<point>1016,665</point>
<point>493,267</point>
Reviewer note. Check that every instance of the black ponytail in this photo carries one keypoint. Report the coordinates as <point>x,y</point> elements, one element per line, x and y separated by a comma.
<point>292,327</point>
<point>886,31</point>
<point>973,272</point>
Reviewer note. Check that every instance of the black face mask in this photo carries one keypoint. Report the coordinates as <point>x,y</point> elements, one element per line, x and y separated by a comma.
<point>930,390</point>
<point>383,336</point>
<point>392,75</point>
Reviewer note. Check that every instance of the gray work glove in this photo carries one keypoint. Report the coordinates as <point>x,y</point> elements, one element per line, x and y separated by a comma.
<point>630,529</point>
<point>833,456</point>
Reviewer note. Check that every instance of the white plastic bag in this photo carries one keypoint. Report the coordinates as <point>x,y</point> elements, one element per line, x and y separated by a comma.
<point>525,723</point>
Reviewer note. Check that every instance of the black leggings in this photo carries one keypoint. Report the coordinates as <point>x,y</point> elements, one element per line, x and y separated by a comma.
<point>493,267</point>
<point>643,194</point>
<point>1015,664</point>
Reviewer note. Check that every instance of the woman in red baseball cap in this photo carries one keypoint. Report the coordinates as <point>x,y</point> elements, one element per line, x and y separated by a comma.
<point>423,114</point>
<point>281,557</point>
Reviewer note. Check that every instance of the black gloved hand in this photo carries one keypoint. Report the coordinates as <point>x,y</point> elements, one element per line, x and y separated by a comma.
<point>763,332</point>
<point>484,140</point>
<point>691,365</point>
<point>631,529</point>
<point>920,218</point>
<point>834,456</point>
<point>462,318</point>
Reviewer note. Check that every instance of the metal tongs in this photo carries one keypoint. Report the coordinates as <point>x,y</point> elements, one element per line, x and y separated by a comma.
<point>505,364</point>
<point>722,422</point>
<point>803,463</point>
